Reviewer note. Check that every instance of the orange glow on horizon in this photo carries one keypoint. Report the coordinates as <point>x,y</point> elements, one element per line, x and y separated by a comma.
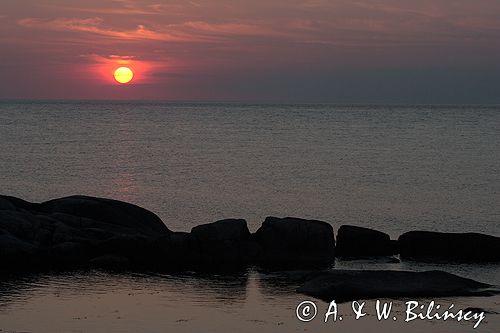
<point>123,75</point>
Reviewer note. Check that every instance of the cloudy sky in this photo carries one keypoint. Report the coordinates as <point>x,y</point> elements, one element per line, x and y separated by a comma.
<point>380,51</point>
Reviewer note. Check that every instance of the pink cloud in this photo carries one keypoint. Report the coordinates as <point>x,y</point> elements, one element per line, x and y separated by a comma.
<point>229,28</point>
<point>95,26</point>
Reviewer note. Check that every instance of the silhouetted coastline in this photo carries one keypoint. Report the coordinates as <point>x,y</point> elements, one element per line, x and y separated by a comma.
<point>81,232</point>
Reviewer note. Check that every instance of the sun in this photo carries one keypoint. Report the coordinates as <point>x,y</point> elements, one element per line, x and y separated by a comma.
<point>123,75</point>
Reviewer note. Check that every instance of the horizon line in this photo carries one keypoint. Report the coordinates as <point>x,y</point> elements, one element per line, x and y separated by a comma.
<point>229,102</point>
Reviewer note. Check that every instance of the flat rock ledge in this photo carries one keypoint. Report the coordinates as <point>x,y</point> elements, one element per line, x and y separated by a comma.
<point>350,285</point>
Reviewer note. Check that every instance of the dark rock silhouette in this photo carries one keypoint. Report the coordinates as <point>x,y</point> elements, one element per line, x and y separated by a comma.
<point>108,211</point>
<point>13,249</point>
<point>13,203</point>
<point>110,261</point>
<point>82,231</point>
<point>221,231</point>
<point>71,231</point>
<point>225,242</point>
<point>349,285</point>
<point>292,241</point>
<point>353,241</point>
<point>437,246</point>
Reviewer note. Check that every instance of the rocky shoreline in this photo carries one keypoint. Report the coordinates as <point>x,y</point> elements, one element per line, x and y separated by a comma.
<point>88,232</point>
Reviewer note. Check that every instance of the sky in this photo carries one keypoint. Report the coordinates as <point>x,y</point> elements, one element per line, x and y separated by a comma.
<point>380,51</point>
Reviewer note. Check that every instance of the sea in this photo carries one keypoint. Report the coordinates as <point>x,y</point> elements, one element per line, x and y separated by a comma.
<point>394,168</point>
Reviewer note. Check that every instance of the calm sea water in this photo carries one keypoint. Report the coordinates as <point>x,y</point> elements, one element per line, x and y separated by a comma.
<point>388,167</point>
<point>394,168</point>
<point>247,302</point>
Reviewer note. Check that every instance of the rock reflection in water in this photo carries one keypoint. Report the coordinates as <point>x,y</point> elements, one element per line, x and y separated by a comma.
<point>245,301</point>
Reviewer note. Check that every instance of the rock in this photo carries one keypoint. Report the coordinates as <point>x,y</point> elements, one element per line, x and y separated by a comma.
<point>13,203</point>
<point>107,211</point>
<point>67,255</point>
<point>369,260</point>
<point>22,225</point>
<point>140,250</point>
<point>69,232</point>
<point>293,241</point>
<point>437,246</point>
<point>225,242</point>
<point>395,246</point>
<point>6,204</point>
<point>392,260</point>
<point>68,249</point>
<point>178,242</point>
<point>110,262</point>
<point>62,233</point>
<point>349,285</point>
<point>12,246</point>
<point>95,229</point>
<point>15,252</point>
<point>175,251</point>
<point>79,231</point>
<point>223,230</point>
<point>353,241</point>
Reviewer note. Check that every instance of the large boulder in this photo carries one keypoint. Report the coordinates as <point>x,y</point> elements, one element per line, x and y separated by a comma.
<point>6,204</point>
<point>349,285</point>
<point>15,252</point>
<point>353,241</point>
<point>72,231</point>
<point>224,242</point>
<point>107,211</point>
<point>20,224</point>
<point>12,203</point>
<point>293,241</point>
<point>223,230</point>
<point>437,246</point>
<point>175,252</point>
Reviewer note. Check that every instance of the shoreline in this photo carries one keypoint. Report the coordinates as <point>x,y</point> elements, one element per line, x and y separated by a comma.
<point>81,232</point>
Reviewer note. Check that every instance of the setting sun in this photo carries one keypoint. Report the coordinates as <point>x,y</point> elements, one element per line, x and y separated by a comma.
<point>123,75</point>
